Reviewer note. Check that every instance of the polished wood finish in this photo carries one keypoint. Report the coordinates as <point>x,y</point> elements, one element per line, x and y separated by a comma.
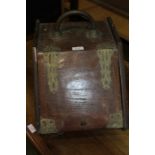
<point>119,6</point>
<point>105,142</point>
<point>78,97</point>
<point>39,143</point>
<point>101,142</point>
<point>99,13</point>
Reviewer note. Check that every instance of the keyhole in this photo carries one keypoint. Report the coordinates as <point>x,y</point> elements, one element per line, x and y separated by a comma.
<point>83,123</point>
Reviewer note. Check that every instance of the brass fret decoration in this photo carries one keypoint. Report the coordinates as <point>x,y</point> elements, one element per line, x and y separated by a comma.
<point>115,120</point>
<point>51,61</point>
<point>104,56</point>
<point>47,126</point>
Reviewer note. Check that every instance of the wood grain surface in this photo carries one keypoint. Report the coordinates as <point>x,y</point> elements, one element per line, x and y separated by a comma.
<point>99,13</point>
<point>78,90</point>
<point>101,142</point>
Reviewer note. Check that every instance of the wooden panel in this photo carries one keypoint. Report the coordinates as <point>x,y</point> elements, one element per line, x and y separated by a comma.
<point>80,95</point>
<point>84,4</point>
<point>119,6</point>
<point>99,13</point>
<point>78,90</point>
<point>102,142</point>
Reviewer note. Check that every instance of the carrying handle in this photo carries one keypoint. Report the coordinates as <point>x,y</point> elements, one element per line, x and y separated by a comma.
<point>75,12</point>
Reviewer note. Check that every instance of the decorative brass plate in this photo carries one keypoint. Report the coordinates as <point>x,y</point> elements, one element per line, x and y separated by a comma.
<point>104,56</point>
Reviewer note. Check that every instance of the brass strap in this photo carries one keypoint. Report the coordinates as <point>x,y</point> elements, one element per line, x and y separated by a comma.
<point>51,61</point>
<point>104,56</point>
